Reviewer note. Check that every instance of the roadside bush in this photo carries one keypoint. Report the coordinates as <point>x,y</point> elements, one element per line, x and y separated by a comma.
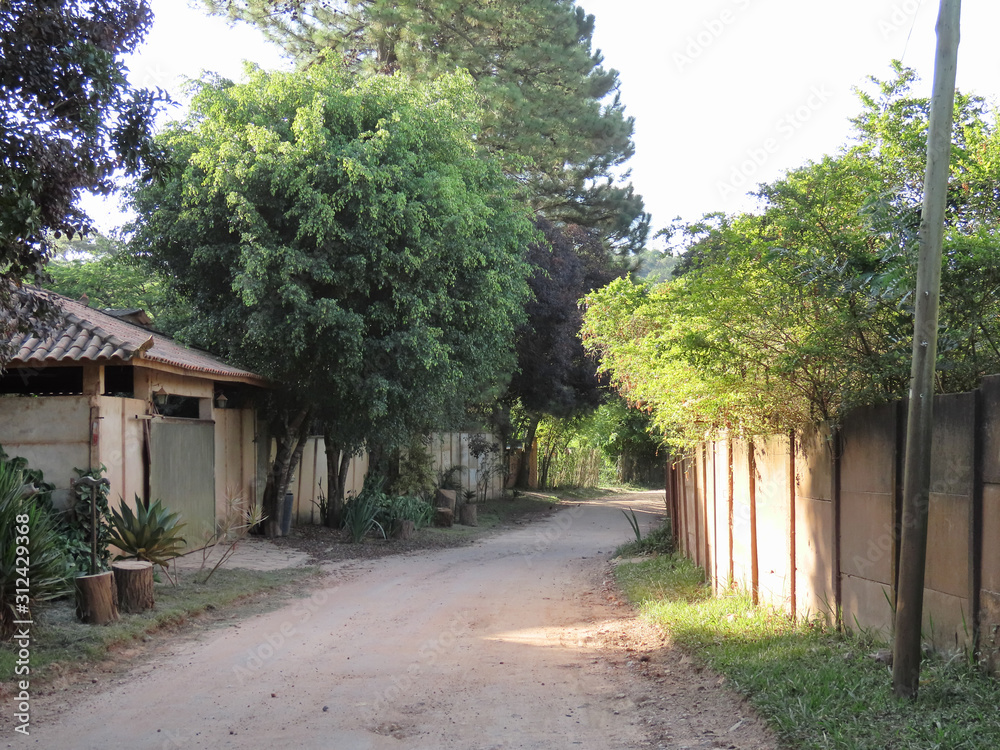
<point>659,541</point>
<point>361,511</point>
<point>27,534</point>
<point>416,509</point>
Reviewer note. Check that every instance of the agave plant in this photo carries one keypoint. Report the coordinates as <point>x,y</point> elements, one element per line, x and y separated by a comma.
<point>30,550</point>
<point>151,533</point>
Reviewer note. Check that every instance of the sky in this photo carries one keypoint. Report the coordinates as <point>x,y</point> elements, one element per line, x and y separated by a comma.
<point>725,94</point>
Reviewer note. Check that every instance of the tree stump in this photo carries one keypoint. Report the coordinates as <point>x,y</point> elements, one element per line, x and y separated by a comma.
<point>446,499</point>
<point>468,515</point>
<point>134,583</point>
<point>96,598</point>
<point>403,529</point>
<point>444,517</point>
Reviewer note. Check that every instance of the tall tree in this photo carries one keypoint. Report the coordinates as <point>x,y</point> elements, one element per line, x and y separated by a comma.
<point>553,114</point>
<point>347,240</point>
<point>554,375</point>
<point>805,310</point>
<point>68,121</point>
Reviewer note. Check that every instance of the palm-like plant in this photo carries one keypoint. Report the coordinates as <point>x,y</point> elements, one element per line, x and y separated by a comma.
<point>151,533</point>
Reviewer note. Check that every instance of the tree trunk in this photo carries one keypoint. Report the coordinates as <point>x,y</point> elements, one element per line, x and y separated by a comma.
<point>403,529</point>
<point>468,515</point>
<point>134,584</point>
<point>290,431</point>
<point>444,517</point>
<point>96,598</point>
<point>338,461</point>
<point>524,467</point>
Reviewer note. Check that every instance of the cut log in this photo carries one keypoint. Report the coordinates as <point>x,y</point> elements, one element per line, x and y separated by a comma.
<point>446,499</point>
<point>96,598</point>
<point>403,529</point>
<point>468,515</point>
<point>134,582</point>
<point>444,517</point>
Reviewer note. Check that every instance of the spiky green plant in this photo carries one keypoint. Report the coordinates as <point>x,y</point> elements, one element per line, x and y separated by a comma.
<point>30,552</point>
<point>361,514</point>
<point>151,533</point>
<point>634,523</point>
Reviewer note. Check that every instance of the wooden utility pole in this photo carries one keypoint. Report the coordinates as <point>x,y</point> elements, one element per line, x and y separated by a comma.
<point>917,466</point>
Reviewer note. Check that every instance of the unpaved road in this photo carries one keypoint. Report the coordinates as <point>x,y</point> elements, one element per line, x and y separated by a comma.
<point>517,641</point>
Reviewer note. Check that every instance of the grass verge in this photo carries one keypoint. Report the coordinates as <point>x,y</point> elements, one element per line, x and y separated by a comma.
<point>59,638</point>
<point>817,688</point>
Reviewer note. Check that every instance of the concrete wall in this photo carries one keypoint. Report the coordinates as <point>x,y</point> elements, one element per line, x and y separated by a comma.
<point>52,432</point>
<point>447,449</point>
<point>811,525</point>
<point>58,434</point>
<point>450,449</point>
<point>310,480</point>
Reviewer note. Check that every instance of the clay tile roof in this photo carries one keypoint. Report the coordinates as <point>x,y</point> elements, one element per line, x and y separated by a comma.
<point>89,335</point>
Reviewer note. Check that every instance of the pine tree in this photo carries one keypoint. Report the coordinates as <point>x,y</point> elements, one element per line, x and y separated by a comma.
<point>553,114</point>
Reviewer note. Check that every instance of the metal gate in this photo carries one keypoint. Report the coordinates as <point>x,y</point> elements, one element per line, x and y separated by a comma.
<point>182,473</point>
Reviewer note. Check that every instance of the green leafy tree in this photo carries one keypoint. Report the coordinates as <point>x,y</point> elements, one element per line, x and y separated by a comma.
<point>552,111</point>
<point>98,267</point>
<point>803,310</point>
<point>554,375</point>
<point>347,240</point>
<point>69,120</point>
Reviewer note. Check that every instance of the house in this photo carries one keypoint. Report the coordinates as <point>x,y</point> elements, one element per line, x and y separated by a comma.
<point>166,421</point>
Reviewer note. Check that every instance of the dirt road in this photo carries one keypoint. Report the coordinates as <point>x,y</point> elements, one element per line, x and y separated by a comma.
<point>514,642</point>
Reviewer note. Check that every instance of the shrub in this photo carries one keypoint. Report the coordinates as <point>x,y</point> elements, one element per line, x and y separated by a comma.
<point>27,534</point>
<point>361,511</point>
<point>75,523</point>
<point>393,509</point>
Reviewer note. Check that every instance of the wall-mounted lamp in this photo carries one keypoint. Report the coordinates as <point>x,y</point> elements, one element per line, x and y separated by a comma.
<point>160,396</point>
<point>221,401</point>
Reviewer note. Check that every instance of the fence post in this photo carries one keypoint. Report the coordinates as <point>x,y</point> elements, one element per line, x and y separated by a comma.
<point>836,455</point>
<point>752,471</point>
<point>976,520</point>
<point>729,478</point>
<point>791,524</point>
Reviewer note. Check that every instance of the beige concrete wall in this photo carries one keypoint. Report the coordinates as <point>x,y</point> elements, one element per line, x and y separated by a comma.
<point>450,449</point>
<point>120,447</point>
<point>310,479</point>
<point>719,471</point>
<point>837,502</point>
<point>867,497</point>
<point>742,568</point>
<point>235,460</point>
<point>947,609</point>
<point>774,578</point>
<point>814,525</point>
<point>52,432</point>
<point>146,381</point>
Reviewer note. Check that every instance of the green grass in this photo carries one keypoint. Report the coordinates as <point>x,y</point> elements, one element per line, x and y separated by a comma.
<point>657,541</point>
<point>816,687</point>
<point>58,637</point>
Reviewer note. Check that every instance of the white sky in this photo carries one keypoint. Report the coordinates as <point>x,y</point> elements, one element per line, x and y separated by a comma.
<point>725,93</point>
